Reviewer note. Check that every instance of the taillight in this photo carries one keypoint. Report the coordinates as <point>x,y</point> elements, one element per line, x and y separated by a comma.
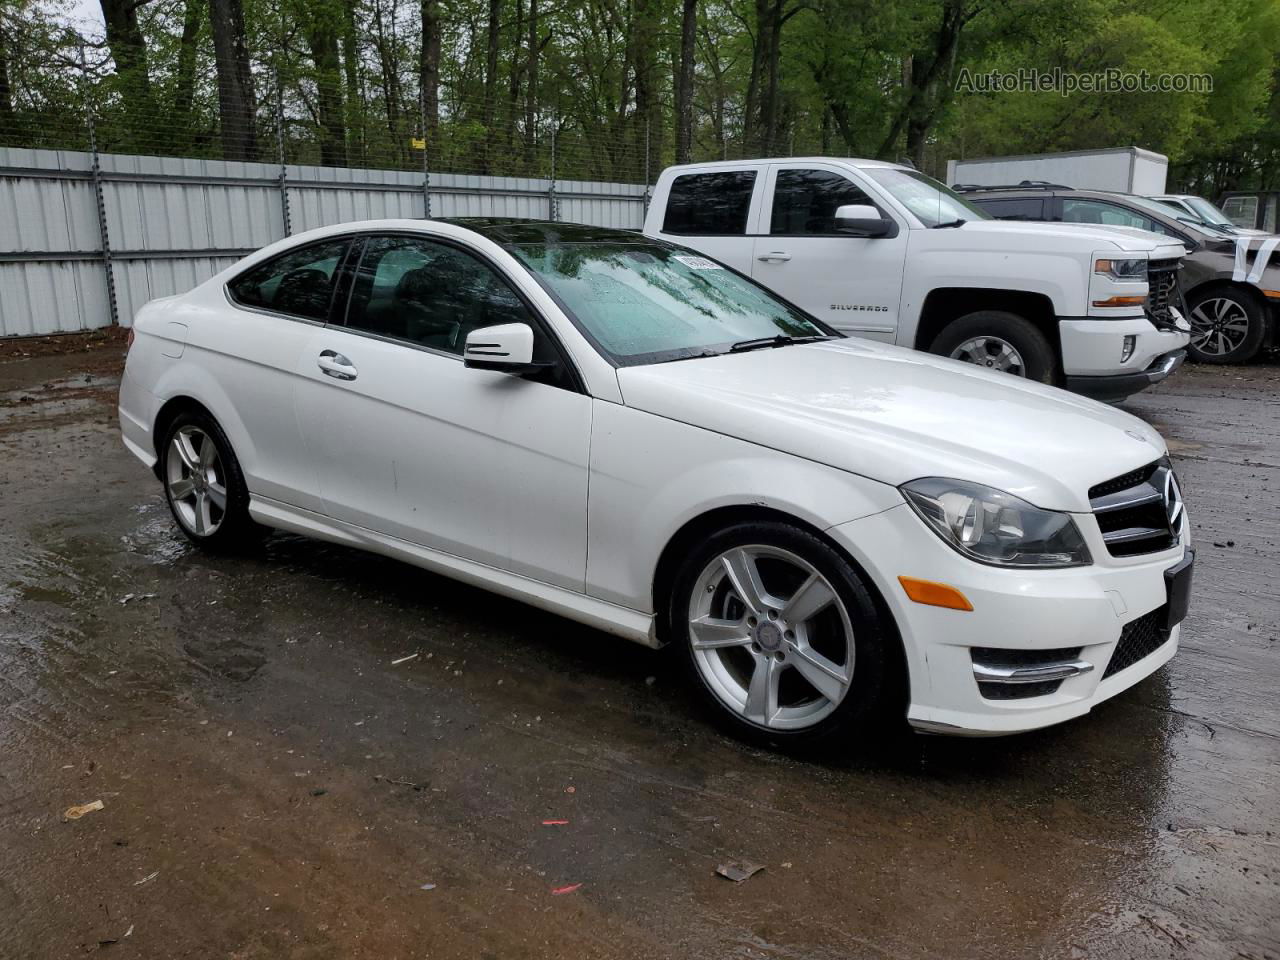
<point>128,343</point>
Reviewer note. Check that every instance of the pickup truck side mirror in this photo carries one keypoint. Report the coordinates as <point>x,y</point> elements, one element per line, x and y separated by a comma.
<point>864,220</point>
<point>506,347</point>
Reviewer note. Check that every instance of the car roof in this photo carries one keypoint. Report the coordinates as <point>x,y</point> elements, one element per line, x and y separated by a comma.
<point>510,230</point>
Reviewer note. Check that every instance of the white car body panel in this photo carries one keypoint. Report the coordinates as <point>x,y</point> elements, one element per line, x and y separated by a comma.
<point>568,499</point>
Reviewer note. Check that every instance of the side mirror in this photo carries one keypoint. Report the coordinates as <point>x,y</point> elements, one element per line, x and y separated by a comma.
<point>507,348</point>
<point>864,220</point>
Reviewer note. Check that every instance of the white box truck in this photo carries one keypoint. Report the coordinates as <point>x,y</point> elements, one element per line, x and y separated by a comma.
<point>1122,169</point>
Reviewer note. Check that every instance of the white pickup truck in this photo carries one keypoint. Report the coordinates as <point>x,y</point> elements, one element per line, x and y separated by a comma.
<point>882,251</point>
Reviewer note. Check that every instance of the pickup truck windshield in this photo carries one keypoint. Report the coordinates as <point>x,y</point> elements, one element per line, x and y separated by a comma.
<point>647,303</point>
<point>930,201</point>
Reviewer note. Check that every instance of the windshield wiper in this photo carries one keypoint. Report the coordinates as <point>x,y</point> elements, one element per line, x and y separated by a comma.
<point>781,340</point>
<point>959,222</point>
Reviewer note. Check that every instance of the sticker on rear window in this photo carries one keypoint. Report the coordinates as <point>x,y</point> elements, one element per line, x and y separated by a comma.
<point>697,263</point>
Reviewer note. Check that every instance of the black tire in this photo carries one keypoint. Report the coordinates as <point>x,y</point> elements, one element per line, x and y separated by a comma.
<point>1240,301</point>
<point>875,699</point>
<point>234,528</point>
<point>1039,362</point>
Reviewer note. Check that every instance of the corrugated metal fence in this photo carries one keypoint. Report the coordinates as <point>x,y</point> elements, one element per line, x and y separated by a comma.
<point>87,239</point>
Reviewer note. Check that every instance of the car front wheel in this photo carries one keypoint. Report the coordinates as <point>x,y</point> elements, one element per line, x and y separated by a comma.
<point>1228,325</point>
<point>781,635</point>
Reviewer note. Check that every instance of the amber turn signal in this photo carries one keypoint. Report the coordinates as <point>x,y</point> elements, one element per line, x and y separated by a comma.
<point>1120,302</point>
<point>935,594</point>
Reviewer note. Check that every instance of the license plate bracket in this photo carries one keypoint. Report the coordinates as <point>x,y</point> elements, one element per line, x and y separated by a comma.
<point>1177,582</point>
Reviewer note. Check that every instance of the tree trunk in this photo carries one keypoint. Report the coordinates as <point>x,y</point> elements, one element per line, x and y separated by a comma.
<point>322,39</point>
<point>684,82</point>
<point>351,74</point>
<point>184,86</point>
<point>929,84</point>
<point>493,34</point>
<point>235,83</point>
<point>429,71</point>
<point>516,71</point>
<point>533,53</point>
<point>7,122</point>
<point>129,51</point>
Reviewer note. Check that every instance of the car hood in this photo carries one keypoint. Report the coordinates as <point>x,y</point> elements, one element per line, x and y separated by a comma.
<point>1088,236</point>
<point>894,415</point>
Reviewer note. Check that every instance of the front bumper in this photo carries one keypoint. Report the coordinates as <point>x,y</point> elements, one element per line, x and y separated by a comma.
<point>1118,386</point>
<point>1039,610</point>
<point>1093,360</point>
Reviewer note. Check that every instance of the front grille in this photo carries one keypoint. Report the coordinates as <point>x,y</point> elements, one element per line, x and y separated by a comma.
<point>1163,292</point>
<point>1132,513</point>
<point>1138,639</point>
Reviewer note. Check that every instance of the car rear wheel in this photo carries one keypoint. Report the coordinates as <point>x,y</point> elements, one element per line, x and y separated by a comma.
<point>997,340</point>
<point>781,636</point>
<point>203,483</point>
<point>1228,325</point>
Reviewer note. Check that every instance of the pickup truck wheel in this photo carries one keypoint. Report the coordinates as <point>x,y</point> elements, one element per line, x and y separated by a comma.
<point>1228,325</point>
<point>998,341</point>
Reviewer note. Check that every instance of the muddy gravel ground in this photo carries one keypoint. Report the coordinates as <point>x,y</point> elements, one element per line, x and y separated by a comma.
<point>273,785</point>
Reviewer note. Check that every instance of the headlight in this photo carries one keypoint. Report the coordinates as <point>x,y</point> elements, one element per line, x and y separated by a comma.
<point>995,527</point>
<point>1127,270</point>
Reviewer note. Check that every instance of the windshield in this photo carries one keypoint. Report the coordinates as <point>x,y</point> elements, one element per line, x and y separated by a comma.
<point>1207,211</point>
<point>649,303</point>
<point>929,200</point>
<point>1180,216</point>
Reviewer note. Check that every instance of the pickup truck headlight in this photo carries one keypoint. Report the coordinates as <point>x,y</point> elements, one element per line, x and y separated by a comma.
<point>1134,271</point>
<point>991,526</point>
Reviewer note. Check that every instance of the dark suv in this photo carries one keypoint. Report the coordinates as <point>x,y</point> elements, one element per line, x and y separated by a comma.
<point>1232,292</point>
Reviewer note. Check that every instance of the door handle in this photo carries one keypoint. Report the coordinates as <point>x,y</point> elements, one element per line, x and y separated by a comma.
<point>777,256</point>
<point>335,365</point>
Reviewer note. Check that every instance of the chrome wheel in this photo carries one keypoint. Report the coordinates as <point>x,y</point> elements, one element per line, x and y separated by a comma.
<point>1219,325</point>
<point>991,352</point>
<point>196,481</point>
<point>771,638</point>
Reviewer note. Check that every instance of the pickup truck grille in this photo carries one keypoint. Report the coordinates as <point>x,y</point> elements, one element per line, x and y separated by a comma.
<point>1139,512</point>
<point>1163,292</point>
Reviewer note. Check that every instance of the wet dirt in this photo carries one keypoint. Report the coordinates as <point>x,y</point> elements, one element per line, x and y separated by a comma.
<point>274,786</point>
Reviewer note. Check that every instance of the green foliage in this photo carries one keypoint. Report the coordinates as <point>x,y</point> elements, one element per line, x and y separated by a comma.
<point>340,80</point>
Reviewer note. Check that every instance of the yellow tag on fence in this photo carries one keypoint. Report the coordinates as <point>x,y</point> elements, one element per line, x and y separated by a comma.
<point>418,143</point>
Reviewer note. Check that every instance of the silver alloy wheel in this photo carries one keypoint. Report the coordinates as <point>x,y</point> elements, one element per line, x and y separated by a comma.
<point>1219,325</point>
<point>771,637</point>
<point>991,352</point>
<point>196,481</point>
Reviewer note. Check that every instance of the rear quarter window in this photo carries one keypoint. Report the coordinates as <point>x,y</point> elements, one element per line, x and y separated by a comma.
<point>1030,208</point>
<point>709,204</point>
<point>299,283</point>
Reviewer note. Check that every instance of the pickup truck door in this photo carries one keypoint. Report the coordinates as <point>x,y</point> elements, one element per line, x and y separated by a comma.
<point>852,283</point>
<point>715,212</point>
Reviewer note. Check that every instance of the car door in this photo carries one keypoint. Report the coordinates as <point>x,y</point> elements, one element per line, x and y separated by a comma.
<point>411,443</point>
<point>275,308</point>
<point>713,212</point>
<point>852,283</point>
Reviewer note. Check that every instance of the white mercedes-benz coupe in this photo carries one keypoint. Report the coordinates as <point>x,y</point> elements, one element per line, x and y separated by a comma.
<point>634,436</point>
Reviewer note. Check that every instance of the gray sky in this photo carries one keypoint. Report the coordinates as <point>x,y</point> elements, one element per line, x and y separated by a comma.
<point>86,17</point>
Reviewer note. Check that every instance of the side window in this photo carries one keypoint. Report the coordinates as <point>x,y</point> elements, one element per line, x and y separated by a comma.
<point>1107,214</point>
<point>1029,208</point>
<point>1269,221</point>
<point>428,293</point>
<point>1242,211</point>
<point>709,204</point>
<point>299,282</point>
<point>805,201</point>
